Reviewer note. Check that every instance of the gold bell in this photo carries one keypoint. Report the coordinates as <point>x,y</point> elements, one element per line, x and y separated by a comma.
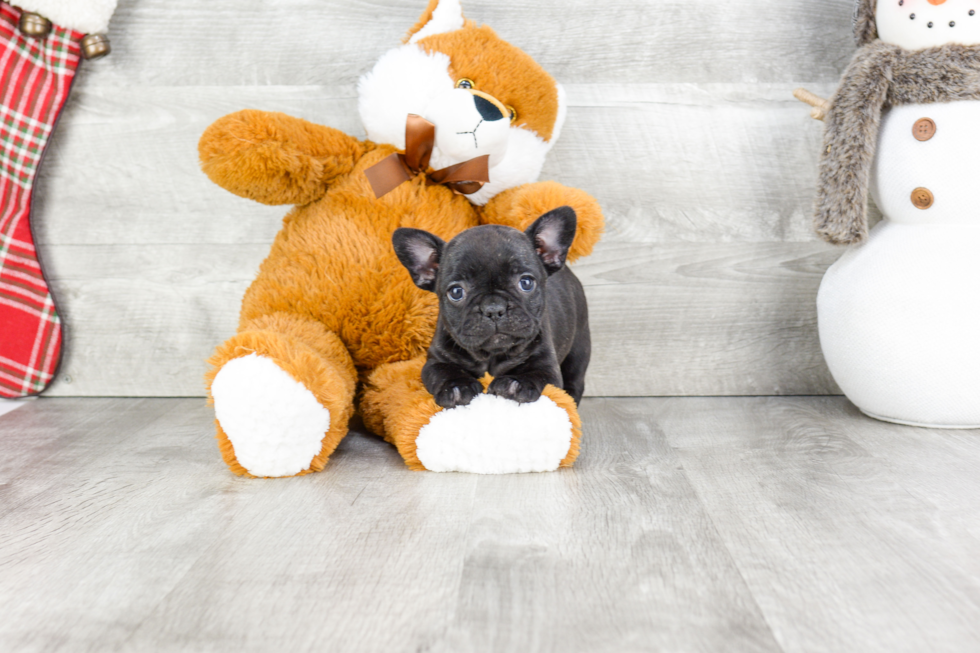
<point>95,46</point>
<point>34,25</point>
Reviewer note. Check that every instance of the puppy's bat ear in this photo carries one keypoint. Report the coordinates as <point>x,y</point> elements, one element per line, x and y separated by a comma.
<point>419,251</point>
<point>552,235</point>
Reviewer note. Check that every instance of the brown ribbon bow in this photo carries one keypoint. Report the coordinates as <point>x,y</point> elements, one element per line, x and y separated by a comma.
<point>420,135</point>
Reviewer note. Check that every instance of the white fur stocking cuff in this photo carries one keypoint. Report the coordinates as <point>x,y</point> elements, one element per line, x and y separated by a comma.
<point>85,16</point>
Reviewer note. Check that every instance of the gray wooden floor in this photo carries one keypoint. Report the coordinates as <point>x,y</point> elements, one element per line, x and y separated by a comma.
<point>689,524</point>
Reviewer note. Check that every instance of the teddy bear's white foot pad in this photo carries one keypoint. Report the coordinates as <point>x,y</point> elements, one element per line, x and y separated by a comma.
<point>274,423</point>
<point>492,435</point>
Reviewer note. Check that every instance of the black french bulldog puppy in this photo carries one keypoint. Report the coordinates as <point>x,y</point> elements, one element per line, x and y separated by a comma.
<point>507,305</point>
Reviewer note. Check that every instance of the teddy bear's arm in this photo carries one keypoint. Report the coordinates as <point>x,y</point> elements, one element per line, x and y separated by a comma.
<point>519,207</point>
<point>274,158</point>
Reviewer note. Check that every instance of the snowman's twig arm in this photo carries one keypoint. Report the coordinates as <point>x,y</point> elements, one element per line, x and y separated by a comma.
<point>820,105</point>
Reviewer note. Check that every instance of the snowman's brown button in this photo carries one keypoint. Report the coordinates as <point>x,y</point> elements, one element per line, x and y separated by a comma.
<point>924,129</point>
<point>922,198</point>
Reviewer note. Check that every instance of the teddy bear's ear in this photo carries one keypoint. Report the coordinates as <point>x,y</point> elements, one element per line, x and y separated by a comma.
<point>440,16</point>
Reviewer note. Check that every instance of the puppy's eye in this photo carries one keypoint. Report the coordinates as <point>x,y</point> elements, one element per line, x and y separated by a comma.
<point>513,114</point>
<point>465,82</point>
<point>455,293</point>
<point>527,283</point>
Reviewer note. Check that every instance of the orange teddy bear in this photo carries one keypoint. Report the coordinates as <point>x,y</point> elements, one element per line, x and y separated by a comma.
<point>459,123</point>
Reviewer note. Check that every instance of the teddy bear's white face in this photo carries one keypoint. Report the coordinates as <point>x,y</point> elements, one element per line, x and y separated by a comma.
<point>468,122</point>
<point>917,24</point>
<point>468,125</point>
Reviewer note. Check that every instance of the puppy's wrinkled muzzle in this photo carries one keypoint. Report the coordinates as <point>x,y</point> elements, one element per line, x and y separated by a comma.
<point>493,328</point>
<point>493,309</point>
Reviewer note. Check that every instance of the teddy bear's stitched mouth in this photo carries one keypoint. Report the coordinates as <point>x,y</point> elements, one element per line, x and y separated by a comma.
<point>476,145</point>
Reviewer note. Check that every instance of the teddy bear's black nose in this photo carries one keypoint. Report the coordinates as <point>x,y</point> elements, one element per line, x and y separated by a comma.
<point>488,110</point>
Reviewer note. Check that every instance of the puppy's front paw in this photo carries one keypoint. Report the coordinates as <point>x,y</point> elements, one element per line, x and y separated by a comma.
<point>510,387</point>
<point>458,392</point>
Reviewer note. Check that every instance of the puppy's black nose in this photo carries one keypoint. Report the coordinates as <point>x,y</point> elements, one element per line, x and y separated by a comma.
<point>488,110</point>
<point>493,309</point>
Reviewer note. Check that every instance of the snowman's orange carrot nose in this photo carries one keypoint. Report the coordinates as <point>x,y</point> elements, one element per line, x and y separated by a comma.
<point>820,105</point>
<point>936,2</point>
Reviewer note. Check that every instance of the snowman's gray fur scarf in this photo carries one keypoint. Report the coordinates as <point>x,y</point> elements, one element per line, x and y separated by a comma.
<point>865,29</point>
<point>878,76</point>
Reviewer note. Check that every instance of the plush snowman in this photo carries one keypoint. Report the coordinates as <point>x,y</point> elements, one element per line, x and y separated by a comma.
<point>899,313</point>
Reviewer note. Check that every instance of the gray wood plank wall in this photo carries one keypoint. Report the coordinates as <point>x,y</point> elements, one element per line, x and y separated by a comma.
<point>681,123</point>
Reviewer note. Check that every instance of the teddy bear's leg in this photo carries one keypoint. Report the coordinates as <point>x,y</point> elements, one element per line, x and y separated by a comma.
<point>519,207</point>
<point>283,391</point>
<point>491,435</point>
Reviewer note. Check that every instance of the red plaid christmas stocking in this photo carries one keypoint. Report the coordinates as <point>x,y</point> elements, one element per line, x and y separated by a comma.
<point>35,78</point>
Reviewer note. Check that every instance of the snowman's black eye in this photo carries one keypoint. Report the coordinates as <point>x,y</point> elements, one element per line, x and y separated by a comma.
<point>912,16</point>
<point>952,23</point>
<point>901,2</point>
<point>929,25</point>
